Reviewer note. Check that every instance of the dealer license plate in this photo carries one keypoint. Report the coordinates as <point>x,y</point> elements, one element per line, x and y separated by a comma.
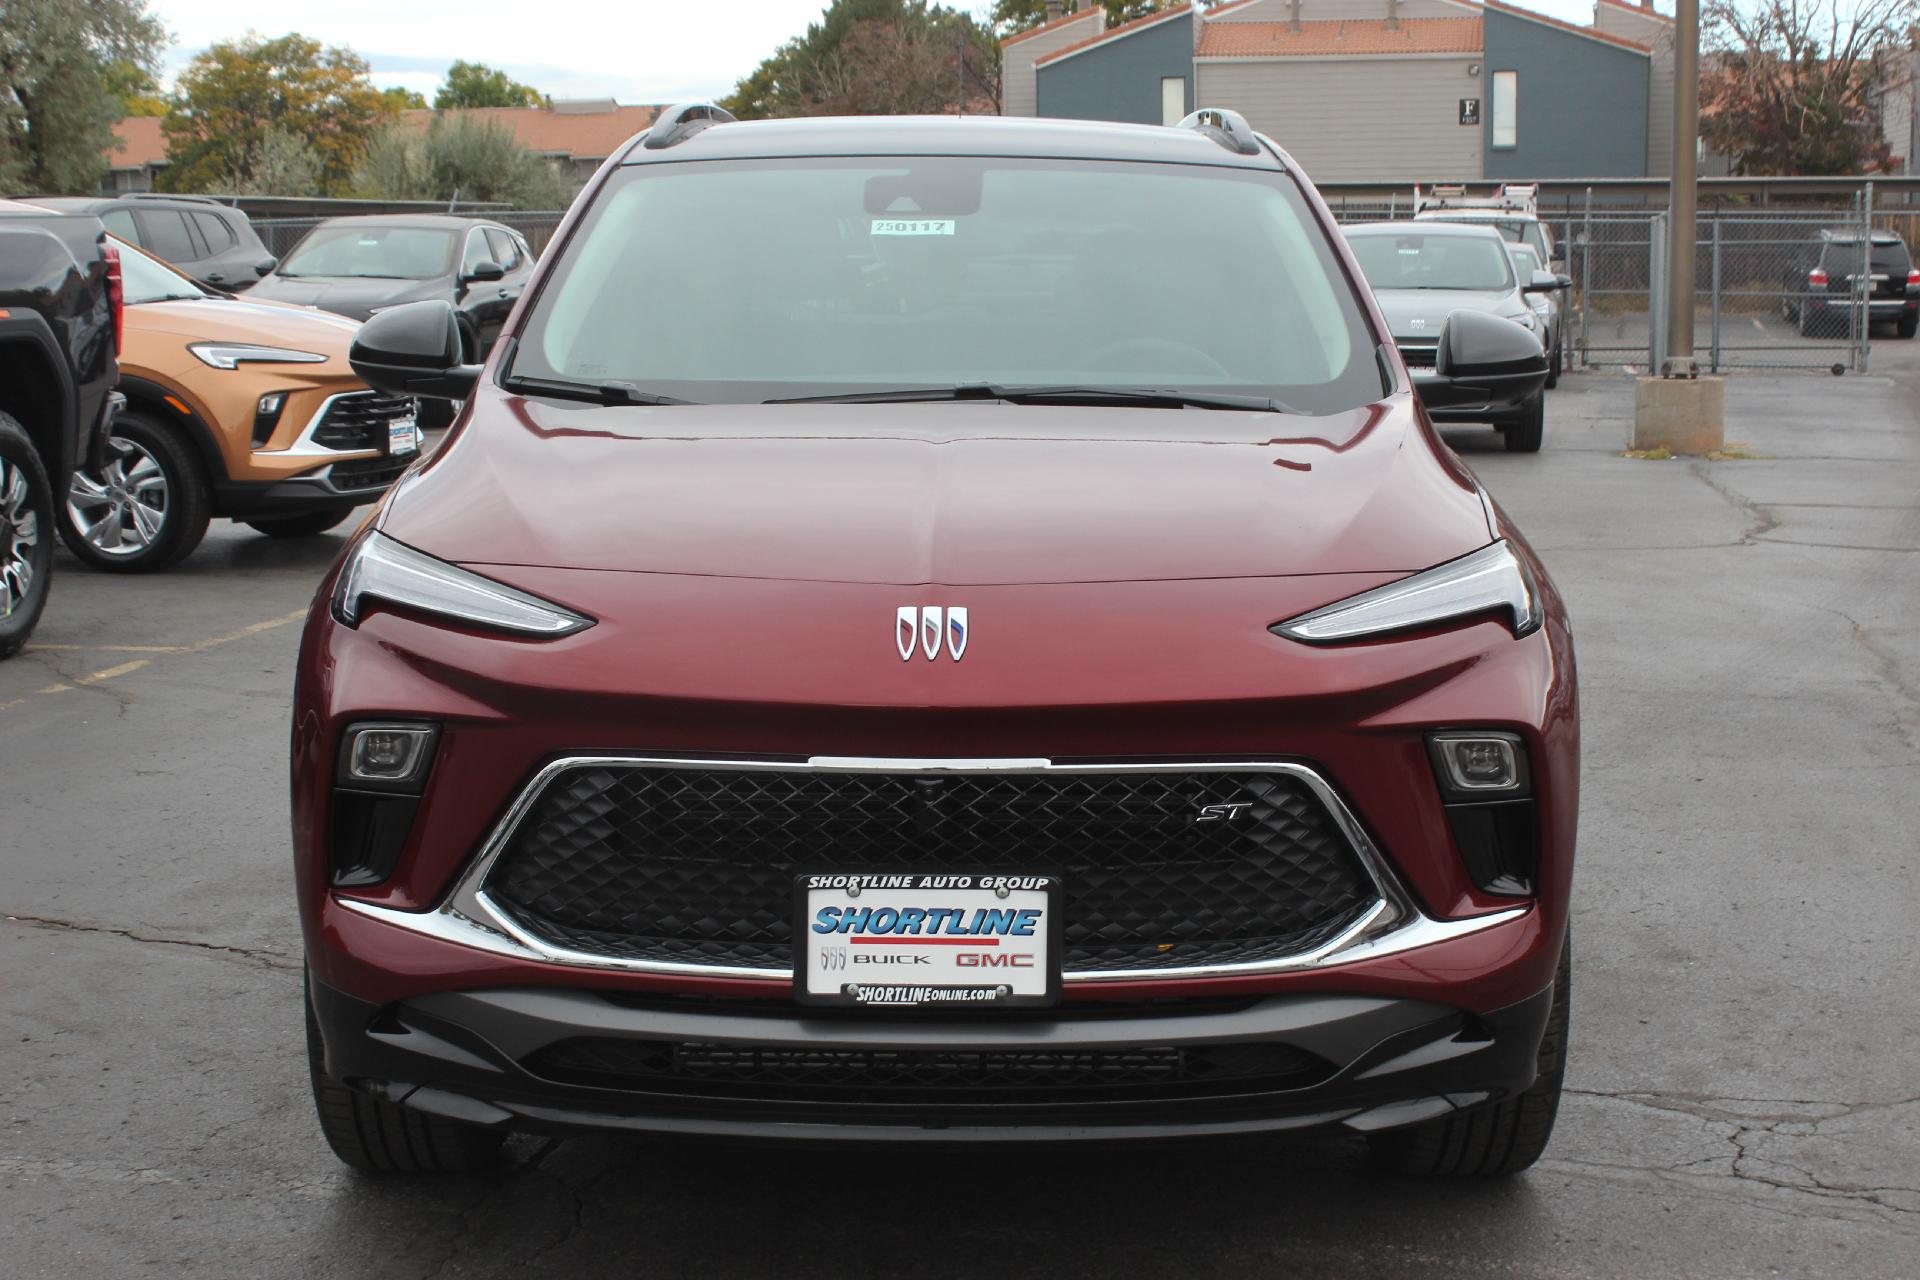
<point>403,436</point>
<point>936,939</point>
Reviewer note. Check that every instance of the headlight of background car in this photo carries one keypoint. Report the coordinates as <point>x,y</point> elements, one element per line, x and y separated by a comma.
<point>378,568</point>
<point>1492,578</point>
<point>1524,319</point>
<point>231,355</point>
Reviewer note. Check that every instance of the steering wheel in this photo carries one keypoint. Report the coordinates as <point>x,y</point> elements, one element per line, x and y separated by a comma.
<point>1191,357</point>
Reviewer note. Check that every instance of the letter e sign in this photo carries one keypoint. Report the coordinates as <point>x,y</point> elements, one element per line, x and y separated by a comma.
<point>1469,111</point>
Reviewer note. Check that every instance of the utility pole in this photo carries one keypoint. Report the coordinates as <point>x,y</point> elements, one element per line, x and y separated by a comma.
<point>1682,198</point>
<point>1674,408</point>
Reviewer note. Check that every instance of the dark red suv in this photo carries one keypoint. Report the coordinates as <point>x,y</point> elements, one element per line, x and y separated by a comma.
<point>943,630</point>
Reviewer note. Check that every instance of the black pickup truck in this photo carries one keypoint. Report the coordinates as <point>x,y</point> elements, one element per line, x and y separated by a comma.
<point>60,310</point>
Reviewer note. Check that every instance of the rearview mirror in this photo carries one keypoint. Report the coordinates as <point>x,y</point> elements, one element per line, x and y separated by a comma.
<point>1483,362</point>
<point>414,350</point>
<point>481,271</point>
<point>1546,282</point>
<point>265,265</point>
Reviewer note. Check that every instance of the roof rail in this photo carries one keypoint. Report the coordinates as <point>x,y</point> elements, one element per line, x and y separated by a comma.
<point>681,121</point>
<point>163,195</point>
<point>1228,128</point>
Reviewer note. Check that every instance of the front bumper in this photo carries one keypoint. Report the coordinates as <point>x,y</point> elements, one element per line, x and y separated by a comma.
<point>1378,1063</point>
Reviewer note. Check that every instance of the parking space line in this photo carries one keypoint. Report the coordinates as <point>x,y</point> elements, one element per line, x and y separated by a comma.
<point>127,668</point>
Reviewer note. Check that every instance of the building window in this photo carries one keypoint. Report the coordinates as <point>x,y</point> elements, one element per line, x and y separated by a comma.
<point>1506,108</point>
<point>1173,99</point>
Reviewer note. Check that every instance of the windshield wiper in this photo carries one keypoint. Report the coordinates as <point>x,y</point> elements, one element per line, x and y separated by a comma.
<point>1145,397</point>
<point>611,393</point>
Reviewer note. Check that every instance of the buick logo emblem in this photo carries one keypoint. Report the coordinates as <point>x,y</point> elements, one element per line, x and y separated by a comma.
<point>926,628</point>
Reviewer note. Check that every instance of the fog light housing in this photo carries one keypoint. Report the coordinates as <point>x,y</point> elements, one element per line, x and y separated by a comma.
<point>387,757</point>
<point>1479,764</point>
<point>266,416</point>
<point>1487,788</point>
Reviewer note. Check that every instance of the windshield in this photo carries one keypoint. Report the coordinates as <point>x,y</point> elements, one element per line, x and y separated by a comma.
<point>771,279</point>
<point>144,280</point>
<point>1416,260</point>
<point>379,253</point>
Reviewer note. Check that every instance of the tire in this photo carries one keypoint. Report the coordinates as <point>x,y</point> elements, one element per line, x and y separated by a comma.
<point>1493,1141</point>
<point>304,526</point>
<point>1523,433</point>
<point>26,537</point>
<point>1554,364</point>
<point>377,1136</point>
<point>1908,324</point>
<point>152,470</point>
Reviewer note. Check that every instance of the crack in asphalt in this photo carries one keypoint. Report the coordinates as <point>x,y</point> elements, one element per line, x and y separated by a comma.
<point>1743,1126</point>
<point>259,955</point>
<point>1889,672</point>
<point>1763,518</point>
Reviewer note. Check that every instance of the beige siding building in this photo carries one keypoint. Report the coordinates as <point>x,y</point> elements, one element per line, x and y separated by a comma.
<point>1018,54</point>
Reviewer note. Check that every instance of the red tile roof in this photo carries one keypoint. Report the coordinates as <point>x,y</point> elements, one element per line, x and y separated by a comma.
<point>137,143</point>
<point>1328,39</point>
<point>1498,7</point>
<point>1087,10</point>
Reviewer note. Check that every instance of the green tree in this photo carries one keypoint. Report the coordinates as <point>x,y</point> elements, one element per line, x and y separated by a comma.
<point>280,164</point>
<point>230,96</point>
<point>135,88</point>
<point>475,84</point>
<point>58,98</point>
<point>459,156</point>
<point>876,57</point>
<point>399,100</point>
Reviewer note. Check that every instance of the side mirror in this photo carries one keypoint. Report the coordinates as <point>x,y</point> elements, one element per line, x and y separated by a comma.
<point>1546,282</point>
<point>265,265</point>
<point>1483,363</point>
<point>483,271</point>
<point>414,350</point>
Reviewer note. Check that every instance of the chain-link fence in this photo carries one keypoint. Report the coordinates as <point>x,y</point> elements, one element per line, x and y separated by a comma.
<point>281,235</point>
<point>1797,288</point>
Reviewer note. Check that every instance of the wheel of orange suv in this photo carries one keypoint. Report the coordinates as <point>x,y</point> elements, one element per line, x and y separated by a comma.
<point>146,509</point>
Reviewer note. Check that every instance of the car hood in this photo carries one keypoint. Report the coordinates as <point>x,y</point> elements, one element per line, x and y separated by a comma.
<point>1421,313</point>
<point>354,296</point>
<point>962,493</point>
<point>258,324</point>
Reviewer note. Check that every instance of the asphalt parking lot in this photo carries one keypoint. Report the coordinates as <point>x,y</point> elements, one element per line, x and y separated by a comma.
<point>1744,1095</point>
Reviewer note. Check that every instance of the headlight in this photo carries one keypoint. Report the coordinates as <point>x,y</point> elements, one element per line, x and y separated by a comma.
<point>231,355</point>
<point>1525,319</point>
<point>378,568</point>
<point>1491,578</point>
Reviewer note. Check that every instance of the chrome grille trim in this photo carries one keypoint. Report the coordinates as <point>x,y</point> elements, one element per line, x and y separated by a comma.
<point>470,918</point>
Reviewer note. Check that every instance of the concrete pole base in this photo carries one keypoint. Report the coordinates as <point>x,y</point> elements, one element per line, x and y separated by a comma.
<point>1681,415</point>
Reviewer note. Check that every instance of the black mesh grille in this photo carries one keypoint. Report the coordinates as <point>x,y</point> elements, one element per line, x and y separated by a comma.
<point>360,420</point>
<point>367,473</point>
<point>697,865</point>
<point>925,1075</point>
<point>1419,355</point>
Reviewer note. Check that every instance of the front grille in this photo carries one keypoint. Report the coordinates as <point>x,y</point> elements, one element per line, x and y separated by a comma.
<point>360,420</point>
<point>1419,355</point>
<point>696,865</point>
<point>367,473</point>
<point>925,1075</point>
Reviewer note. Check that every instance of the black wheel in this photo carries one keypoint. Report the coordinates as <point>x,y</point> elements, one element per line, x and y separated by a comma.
<point>1908,323</point>
<point>306,526</point>
<point>146,509</point>
<point>1522,434</point>
<point>378,1136</point>
<point>26,537</point>
<point>1496,1140</point>
<point>1555,359</point>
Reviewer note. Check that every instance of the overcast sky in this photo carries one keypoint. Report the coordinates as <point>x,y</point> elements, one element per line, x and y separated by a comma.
<point>633,50</point>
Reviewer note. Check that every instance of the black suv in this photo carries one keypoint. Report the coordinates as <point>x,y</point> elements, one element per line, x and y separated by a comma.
<point>212,242</point>
<point>1818,293</point>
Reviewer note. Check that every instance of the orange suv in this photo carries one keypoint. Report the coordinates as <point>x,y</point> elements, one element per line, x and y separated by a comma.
<point>245,410</point>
